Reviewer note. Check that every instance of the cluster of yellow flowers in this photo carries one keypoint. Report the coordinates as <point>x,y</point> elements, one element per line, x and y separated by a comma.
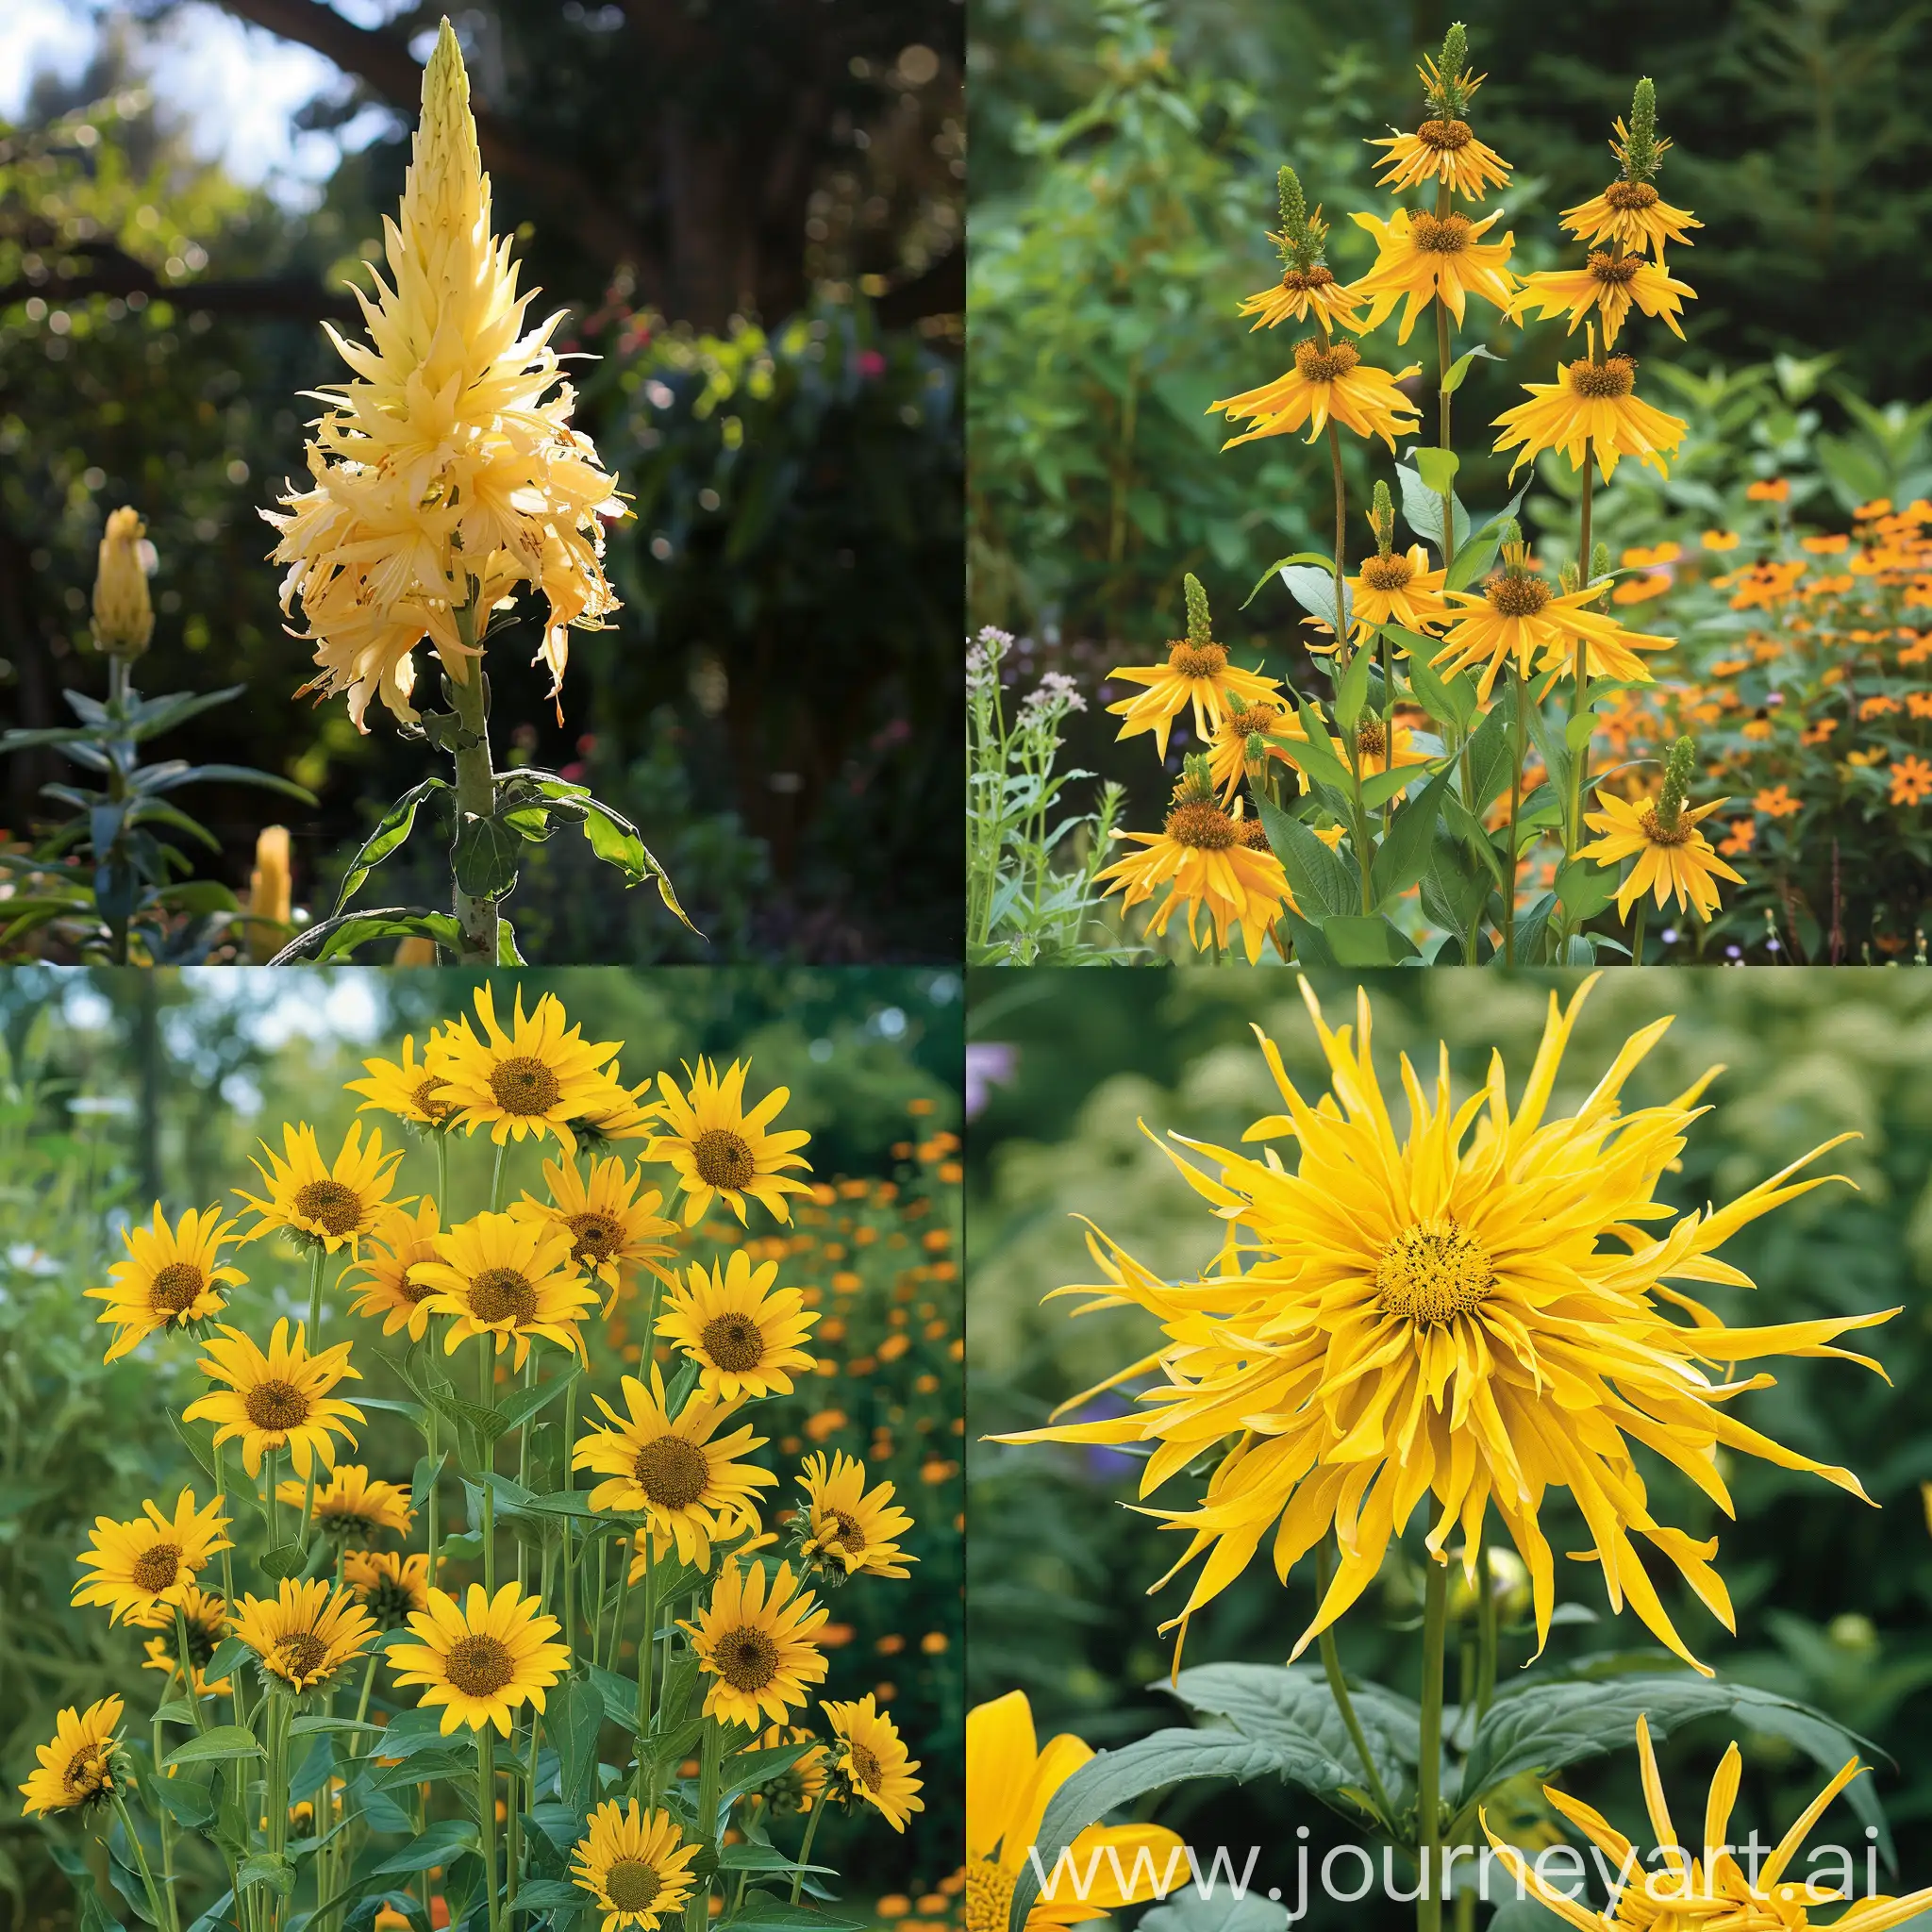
<point>674,1462</point>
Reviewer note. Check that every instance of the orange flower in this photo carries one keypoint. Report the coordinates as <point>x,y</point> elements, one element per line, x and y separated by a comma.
<point>1640,590</point>
<point>1722,540</point>
<point>1911,780</point>
<point>1828,545</point>
<point>1641,559</point>
<point>1819,732</point>
<point>1878,707</point>
<point>1777,803</point>
<point>1778,490</point>
<point>1878,507</point>
<point>1919,704</point>
<point>1744,835</point>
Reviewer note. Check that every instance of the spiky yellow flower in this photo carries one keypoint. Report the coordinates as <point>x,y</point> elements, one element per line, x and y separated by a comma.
<point>753,1640</point>
<point>677,1469</point>
<point>171,1279</point>
<point>279,1399</point>
<point>510,1279</point>
<point>742,1330</point>
<point>1010,1782</point>
<point>1443,148</point>
<point>533,1079</point>
<point>1430,257</point>
<point>1397,589</point>
<point>1610,284</point>
<point>1472,1314</point>
<point>614,1230</point>
<point>405,1088</point>
<point>619,1113</point>
<point>1591,403</point>
<point>78,1770</point>
<point>207,1620</point>
<point>636,1866</point>
<point>720,1149</point>
<point>320,1204</point>
<point>1632,214</point>
<point>1246,740</point>
<point>441,477</point>
<point>1304,292</point>
<point>482,1660</point>
<point>1196,676</point>
<point>349,1505</point>
<point>1674,1890</point>
<point>306,1632</point>
<point>847,1527</point>
<point>391,1587</point>
<point>869,1763</point>
<point>801,1783</point>
<point>150,1563</point>
<point>1329,379</point>
<point>391,1270</point>
<point>123,616</point>
<point>1677,859</point>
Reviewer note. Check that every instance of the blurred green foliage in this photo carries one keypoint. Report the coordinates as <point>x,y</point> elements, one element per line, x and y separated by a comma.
<point>1832,1599</point>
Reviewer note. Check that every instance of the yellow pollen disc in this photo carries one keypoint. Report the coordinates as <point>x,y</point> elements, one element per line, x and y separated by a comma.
<point>747,1660</point>
<point>1618,270</point>
<point>155,1570</point>
<point>846,1532</point>
<point>1615,376</point>
<point>988,1897</point>
<point>1443,235</point>
<point>424,1098</point>
<point>1197,660</point>
<point>1262,718</point>
<point>630,1884</point>
<point>723,1159</point>
<point>866,1767</point>
<point>1516,596</point>
<point>597,1237</point>
<point>330,1205</point>
<point>1627,196</point>
<point>479,1666</point>
<point>1432,1273</point>
<point>503,1295</point>
<point>672,1472</point>
<point>1653,829</point>
<point>275,1405</point>
<point>299,1653</point>
<point>1445,136</point>
<point>1391,573</point>
<point>524,1086</point>
<point>1318,361</point>
<point>1300,280</point>
<point>174,1287</point>
<point>733,1342</point>
<point>1370,738</point>
<point>1205,827</point>
<point>88,1771</point>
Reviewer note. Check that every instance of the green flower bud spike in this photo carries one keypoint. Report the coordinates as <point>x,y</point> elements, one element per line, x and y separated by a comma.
<point>1382,519</point>
<point>1638,148</point>
<point>1447,83</point>
<point>1195,786</point>
<point>1678,768</point>
<point>1303,235</point>
<point>1200,632</point>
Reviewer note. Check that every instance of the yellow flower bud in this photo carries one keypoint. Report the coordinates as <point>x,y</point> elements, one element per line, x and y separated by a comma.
<point>124,618</point>
<point>269,892</point>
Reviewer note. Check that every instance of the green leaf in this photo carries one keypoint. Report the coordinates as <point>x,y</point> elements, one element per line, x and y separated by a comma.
<point>1403,853</point>
<point>506,954</point>
<point>1473,558</point>
<point>1584,888</point>
<point>285,1560</point>
<point>231,1654</point>
<point>1314,591</point>
<point>487,854</point>
<point>441,1841</point>
<point>335,938</point>
<point>1379,788</point>
<point>1186,1910</point>
<point>1322,883</point>
<point>1352,690</point>
<point>1490,755</point>
<point>272,1871</point>
<point>1282,563</point>
<point>1450,701</point>
<point>1437,468</point>
<point>763,1914</point>
<point>619,1697</point>
<point>753,1857</point>
<point>1359,939</point>
<point>424,1479</point>
<point>1451,381</point>
<point>192,1804</point>
<point>615,840</point>
<point>224,1741</point>
<point>194,1444</point>
<point>517,1408</point>
<point>576,1717</point>
<point>392,830</point>
<point>549,1892</point>
<point>1315,755</point>
<point>236,775</point>
<point>750,1769</point>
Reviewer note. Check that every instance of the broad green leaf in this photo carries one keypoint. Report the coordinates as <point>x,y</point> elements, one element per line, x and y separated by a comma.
<point>1315,755</point>
<point>487,854</point>
<point>1185,1910</point>
<point>272,1871</point>
<point>763,1914</point>
<point>390,830</point>
<point>1437,467</point>
<point>751,1857</point>
<point>1322,883</point>
<point>1352,689</point>
<point>1380,787</point>
<point>1282,563</point>
<point>750,1769</point>
<point>1473,558</point>
<point>238,775</point>
<point>1449,701</point>
<point>1403,853</point>
<point>285,1560</point>
<point>223,1741</point>
<point>517,1408</point>
<point>1360,939</point>
<point>435,1846</point>
<point>575,1717</point>
<point>1311,948</point>
<point>506,954</point>
<point>1584,888</point>
<point>1314,591</point>
<point>1532,930</point>
<point>616,841</point>
<point>1451,381</point>
<point>192,1804</point>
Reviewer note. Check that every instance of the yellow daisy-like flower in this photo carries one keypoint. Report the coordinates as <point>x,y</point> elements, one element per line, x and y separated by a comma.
<point>172,1277</point>
<point>720,1149</point>
<point>847,1527</point>
<point>306,1632</point>
<point>1472,1314</point>
<point>349,1505</point>
<point>389,1587</point>
<point>1676,859</point>
<point>279,1399</point>
<point>1196,675</point>
<point>1010,1782</point>
<point>614,1231</point>
<point>77,1769</point>
<point>441,476</point>
<point>483,1659</point>
<point>1610,284</point>
<point>1633,213</point>
<point>511,1279</point>
<point>618,1113</point>
<point>333,1207</point>
<point>1671,1890</point>
<point>1433,257</point>
<point>1397,589</point>
<point>390,1270</point>
<point>407,1089</point>
<point>1593,404</point>
<point>635,1865</point>
<point>797,1788</point>
<point>1304,292</point>
<point>695,1489</point>
<point>870,1762</point>
<point>743,1332</point>
<point>1230,754</point>
<point>532,1080</point>
<point>151,1562</point>
<point>1441,151</point>
<point>1329,379</point>
<point>207,1622</point>
<point>753,1640</point>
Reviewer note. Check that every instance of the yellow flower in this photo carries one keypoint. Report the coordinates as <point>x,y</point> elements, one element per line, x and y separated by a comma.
<point>693,1489</point>
<point>1472,1315</point>
<point>389,1586</point>
<point>150,1562</point>
<point>802,1784</point>
<point>1396,589</point>
<point>405,1088</point>
<point>753,1640</point>
<point>77,1769</point>
<point>1673,1890</point>
<point>172,1277</point>
<point>349,1505</point>
<point>720,1150</point>
<point>484,1659</point>
<point>1196,675</point>
<point>441,477</point>
<point>1440,257</point>
<point>207,1622</point>
<point>743,1331</point>
<point>1591,403</point>
<point>1329,379</point>
<point>123,617</point>
<point>1303,292</point>
<point>1632,214</point>
<point>1228,754</point>
<point>533,1079</point>
<point>847,1527</point>
<point>278,1400</point>
<point>1609,283</point>
<point>391,1273</point>
<point>613,1230</point>
<point>869,1760</point>
<point>319,1203</point>
<point>510,1279</point>
<point>1010,1782</point>
<point>306,1632</point>
<point>270,891</point>
<point>1676,860</point>
<point>1443,148</point>
<point>636,1866</point>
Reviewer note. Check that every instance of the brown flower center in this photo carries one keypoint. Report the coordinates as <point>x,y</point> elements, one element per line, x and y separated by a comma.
<point>1628,196</point>
<point>723,1159</point>
<point>1252,834</point>
<point>988,1897</point>
<point>1617,270</point>
<point>1392,573</point>
<point>1370,738</point>
<point>630,1884</point>
<point>88,1771</point>
<point>747,1660</point>
<point>524,1086</point>
<point>1261,718</point>
<point>277,1407</point>
<point>846,1531</point>
<point>156,1569</point>
<point>598,1237</point>
<point>390,1601</point>
<point>1197,660</point>
<point>1654,830</point>
<point>330,1205</point>
<point>423,1098</point>
<point>1615,376</point>
<point>1316,360</point>
<point>672,1472</point>
<point>479,1666</point>
<point>299,1655</point>
<point>734,1342</point>
<point>411,1290</point>
<point>1444,136</point>
<point>1440,234</point>
<point>1511,595</point>
<point>176,1287</point>
<point>866,1767</point>
<point>1205,827</point>
<point>1299,281</point>
<point>503,1295</point>
<point>1432,1273</point>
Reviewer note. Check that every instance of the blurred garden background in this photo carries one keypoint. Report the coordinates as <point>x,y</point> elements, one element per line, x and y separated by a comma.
<point>117,1090</point>
<point>1834,1601</point>
<point>752,213</point>
<point>1123,192</point>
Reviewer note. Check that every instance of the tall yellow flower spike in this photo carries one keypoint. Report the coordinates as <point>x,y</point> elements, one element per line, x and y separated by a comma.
<point>441,480</point>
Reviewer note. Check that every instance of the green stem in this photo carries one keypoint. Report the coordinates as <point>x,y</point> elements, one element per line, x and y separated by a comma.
<point>1443,393</point>
<point>603,1573</point>
<point>124,756</point>
<point>811,1831</point>
<point>1519,729</point>
<point>1337,1688</point>
<point>276,1791</point>
<point>163,1823</point>
<point>160,1904</point>
<point>485,1817</point>
<point>524,1462</point>
<point>1428,1911</point>
<point>1579,689</point>
<point>647,1657</point>
<point>569,1570</point>
<point>699,1913</point>
<point>487,1393</point>
<point>314,1339</point>
<point>1342,645</point>
<point>496,1177</point>
<point>1486,1630</point>
<point>1637,930</point>
<point>475,795</point>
